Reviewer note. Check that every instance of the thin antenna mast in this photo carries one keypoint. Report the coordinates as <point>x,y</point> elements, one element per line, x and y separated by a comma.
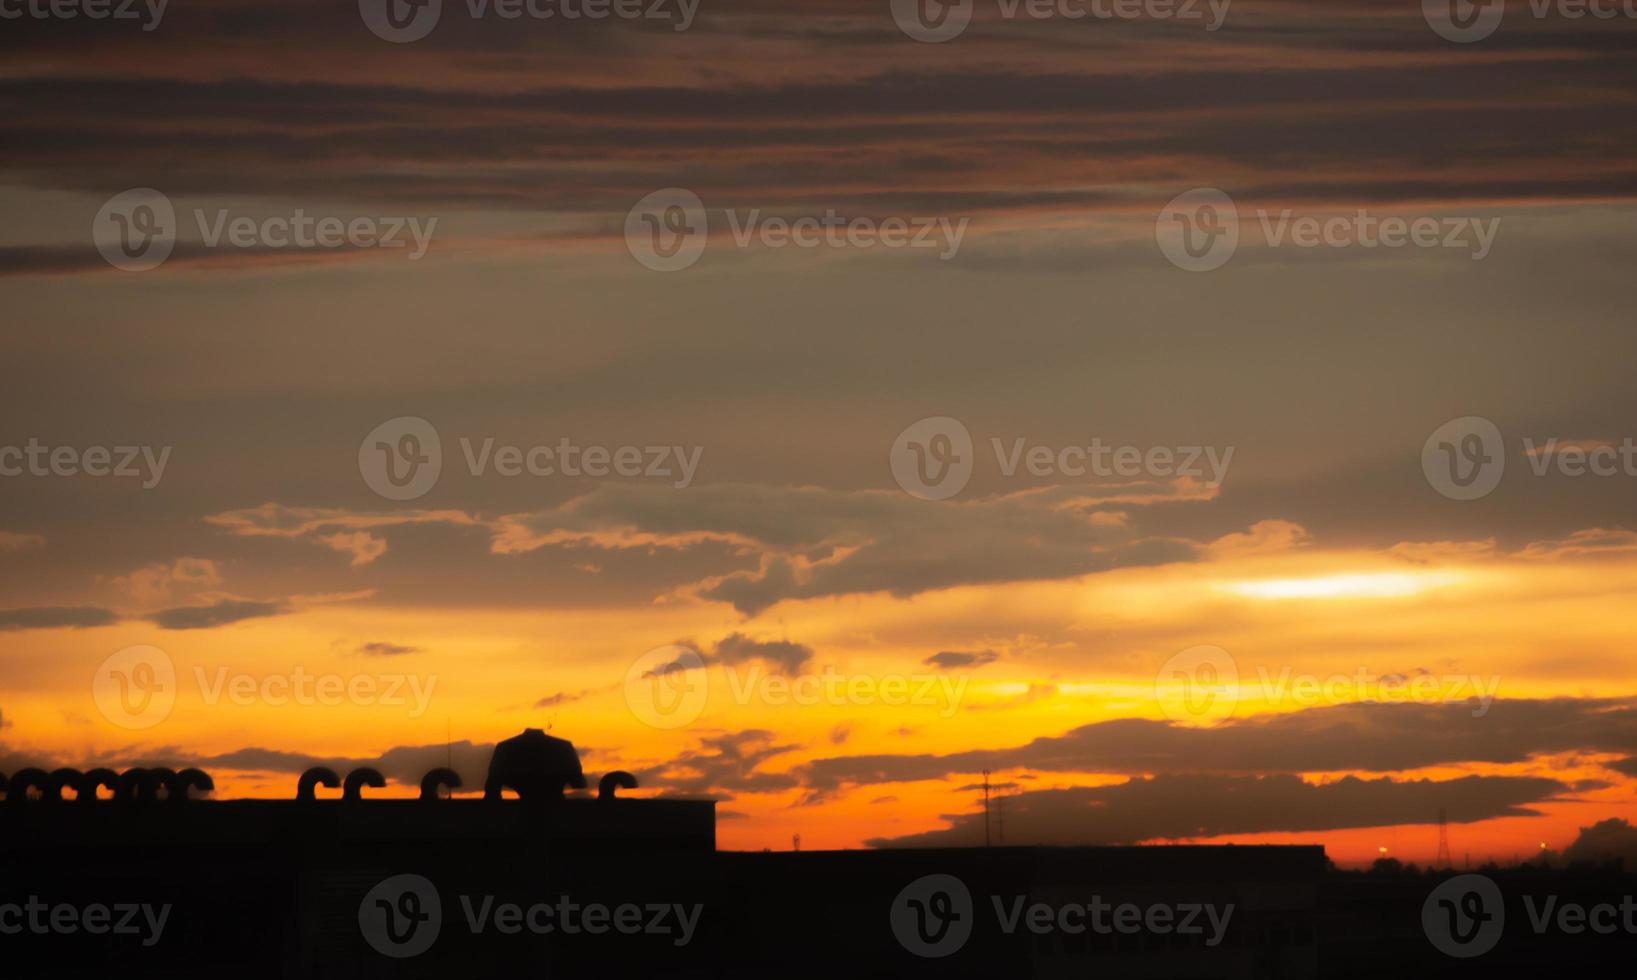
<point>1443,860</point>
<point>986,808</point>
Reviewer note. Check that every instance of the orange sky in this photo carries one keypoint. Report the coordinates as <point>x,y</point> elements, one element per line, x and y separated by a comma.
<point>1067,653</point>
<point>864,652</point>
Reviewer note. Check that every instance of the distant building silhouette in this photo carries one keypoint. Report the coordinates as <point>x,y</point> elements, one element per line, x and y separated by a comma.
<point>287,888</point>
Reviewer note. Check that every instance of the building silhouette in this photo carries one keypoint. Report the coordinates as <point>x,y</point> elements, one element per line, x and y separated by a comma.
<point>548,884</point>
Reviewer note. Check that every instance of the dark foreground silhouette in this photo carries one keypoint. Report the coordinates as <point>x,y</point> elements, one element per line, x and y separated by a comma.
<point>156,882</point>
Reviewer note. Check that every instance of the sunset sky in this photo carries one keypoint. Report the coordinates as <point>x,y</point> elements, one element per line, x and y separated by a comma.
<point>1043,624</point>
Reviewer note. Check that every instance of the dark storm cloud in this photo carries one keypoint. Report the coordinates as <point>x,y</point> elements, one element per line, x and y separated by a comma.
<point>719,142</point>
<point>24,260</point>
<point>220,613</point>
<point>953,659</point>
<point>249,29</point>
<point>814,542</point>
<point>56,617</point>
<point>1365,736</point>
<point>722,765</point>
<point>1607,840</point>
<point>1173,807</point>
<point>800,107</point>
<point>1625,767</point>
<point>786,657</point>
<point>18,260</point>
<point>559,699</point>
<point>380,649</point>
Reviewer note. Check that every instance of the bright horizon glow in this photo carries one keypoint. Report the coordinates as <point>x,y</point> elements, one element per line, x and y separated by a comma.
<point>1365,585</point>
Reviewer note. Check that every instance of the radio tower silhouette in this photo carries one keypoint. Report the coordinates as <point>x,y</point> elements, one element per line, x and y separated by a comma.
<point>986,808</point>
<point>1443,860</point>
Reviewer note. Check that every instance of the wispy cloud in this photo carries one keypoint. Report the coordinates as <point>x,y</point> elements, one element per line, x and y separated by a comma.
<point>56,617</point>
<point>223,612</point>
